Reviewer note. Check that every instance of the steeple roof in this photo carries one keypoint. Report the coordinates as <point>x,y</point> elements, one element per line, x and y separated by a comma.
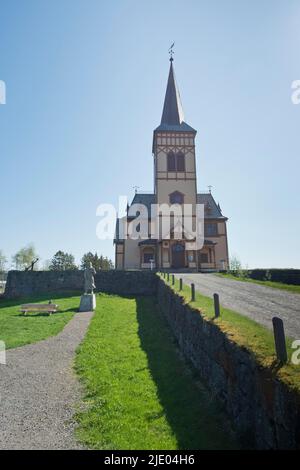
<point>172,116</point>
<point>172,112</point>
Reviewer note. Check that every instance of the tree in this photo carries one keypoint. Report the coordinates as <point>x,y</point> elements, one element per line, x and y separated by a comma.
<point>98,262</point>
<point>236,267</point>
<point>235,264</point>
<point>62,262</point>
<point>3,262</point>
<point>24,257</point>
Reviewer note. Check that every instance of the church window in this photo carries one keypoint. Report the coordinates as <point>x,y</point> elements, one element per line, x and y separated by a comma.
<point>176,162</point>
<point>211,229</point>
<point>203,257</point>
<point>148,256</point>
<point>180,162</point>
<point>171,162</point>
<point>176,198</point>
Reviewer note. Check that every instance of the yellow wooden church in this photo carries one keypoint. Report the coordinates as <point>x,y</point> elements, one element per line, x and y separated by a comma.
<point>175,182</point>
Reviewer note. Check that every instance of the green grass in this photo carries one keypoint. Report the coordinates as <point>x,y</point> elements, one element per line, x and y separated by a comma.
<point>275,285</point>
<point>17,329</point>
<point>139,392</point>
<point>245,332</point>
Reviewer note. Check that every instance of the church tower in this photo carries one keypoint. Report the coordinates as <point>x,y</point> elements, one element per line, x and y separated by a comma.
<point>174,169</point>
<point>174,151</point>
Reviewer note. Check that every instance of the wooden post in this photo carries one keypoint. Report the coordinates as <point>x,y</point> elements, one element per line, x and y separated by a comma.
<point>180,284</point>
<point>193,292</point>
<point>173,279</point>
<point>168,277</point>
<point>279,338</point>
<point>217,305</point>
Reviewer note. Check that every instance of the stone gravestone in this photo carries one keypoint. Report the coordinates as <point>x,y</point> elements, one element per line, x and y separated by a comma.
<point>88,299</point>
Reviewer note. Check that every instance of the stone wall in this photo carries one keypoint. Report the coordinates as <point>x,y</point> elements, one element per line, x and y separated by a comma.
<point>264,412</point>
<point>25,284</point>
<point>127,282</point>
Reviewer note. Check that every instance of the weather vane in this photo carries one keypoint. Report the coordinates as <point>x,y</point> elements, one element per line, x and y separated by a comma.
<point>171,52</point>
<point>209,188</point>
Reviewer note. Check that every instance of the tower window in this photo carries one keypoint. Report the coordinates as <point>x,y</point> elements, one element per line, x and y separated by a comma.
<point>171,162</point>
<point>176,198</point>
<point>180,161</point>
<point>176,162</point>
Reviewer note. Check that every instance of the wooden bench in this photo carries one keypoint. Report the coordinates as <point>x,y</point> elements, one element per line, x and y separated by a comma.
<point>40,308</point>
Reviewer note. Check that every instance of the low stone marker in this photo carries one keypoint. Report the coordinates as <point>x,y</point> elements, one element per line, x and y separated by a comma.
<point>180,284</point>
<point>217,305</point>
<point>279,338</point>
<point>193,292</point>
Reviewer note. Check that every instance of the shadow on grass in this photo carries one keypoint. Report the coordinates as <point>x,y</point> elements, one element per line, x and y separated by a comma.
<point>4,302</point>
<point>45,314</point>
<point>196,420</point>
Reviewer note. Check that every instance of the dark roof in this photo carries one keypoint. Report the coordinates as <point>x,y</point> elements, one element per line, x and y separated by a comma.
<point>149,241</point>
<point>212,210</point>
<point>183,127</point>
<point>172,117</point>
<point>146,199</point>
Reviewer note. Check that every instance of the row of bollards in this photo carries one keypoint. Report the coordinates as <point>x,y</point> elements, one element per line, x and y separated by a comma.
<point>278,327</point>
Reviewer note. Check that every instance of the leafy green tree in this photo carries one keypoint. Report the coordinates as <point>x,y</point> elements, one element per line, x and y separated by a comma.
<point>62,262</point>
<point>98,262</point>
<point>3,262</point>
<point>25,257</point>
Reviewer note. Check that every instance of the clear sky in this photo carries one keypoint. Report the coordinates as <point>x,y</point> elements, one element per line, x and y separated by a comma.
<point>85,86</point>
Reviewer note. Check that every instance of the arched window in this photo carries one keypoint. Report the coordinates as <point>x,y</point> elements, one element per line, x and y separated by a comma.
<point>176,198</point>
<point>176,162</point>
<point>180,161</point>
<point>171,161</point>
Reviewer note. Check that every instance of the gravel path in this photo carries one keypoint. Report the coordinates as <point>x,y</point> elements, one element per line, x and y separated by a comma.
<point>39,390</point>
<point>253,300</point>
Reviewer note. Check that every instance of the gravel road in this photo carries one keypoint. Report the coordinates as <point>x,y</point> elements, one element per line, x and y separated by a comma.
<point>39,390</point>
<point>253,300</point>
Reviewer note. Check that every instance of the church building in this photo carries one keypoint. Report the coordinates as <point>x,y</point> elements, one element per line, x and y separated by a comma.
<point>175,182</point>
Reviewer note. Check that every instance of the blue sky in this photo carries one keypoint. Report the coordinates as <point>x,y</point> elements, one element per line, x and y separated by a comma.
<point>85,86</point>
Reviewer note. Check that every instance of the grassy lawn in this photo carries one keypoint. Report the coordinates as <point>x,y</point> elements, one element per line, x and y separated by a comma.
<point>245,332</point>
<point>274,285</point>
<point>139,392</point>
<point>17,329</point>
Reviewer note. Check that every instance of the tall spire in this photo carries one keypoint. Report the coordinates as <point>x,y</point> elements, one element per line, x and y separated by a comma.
<point>172,113</point>
<point>172,117</point>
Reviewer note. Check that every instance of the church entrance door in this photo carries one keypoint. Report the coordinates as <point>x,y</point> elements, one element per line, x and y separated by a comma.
<point>178,255</point>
